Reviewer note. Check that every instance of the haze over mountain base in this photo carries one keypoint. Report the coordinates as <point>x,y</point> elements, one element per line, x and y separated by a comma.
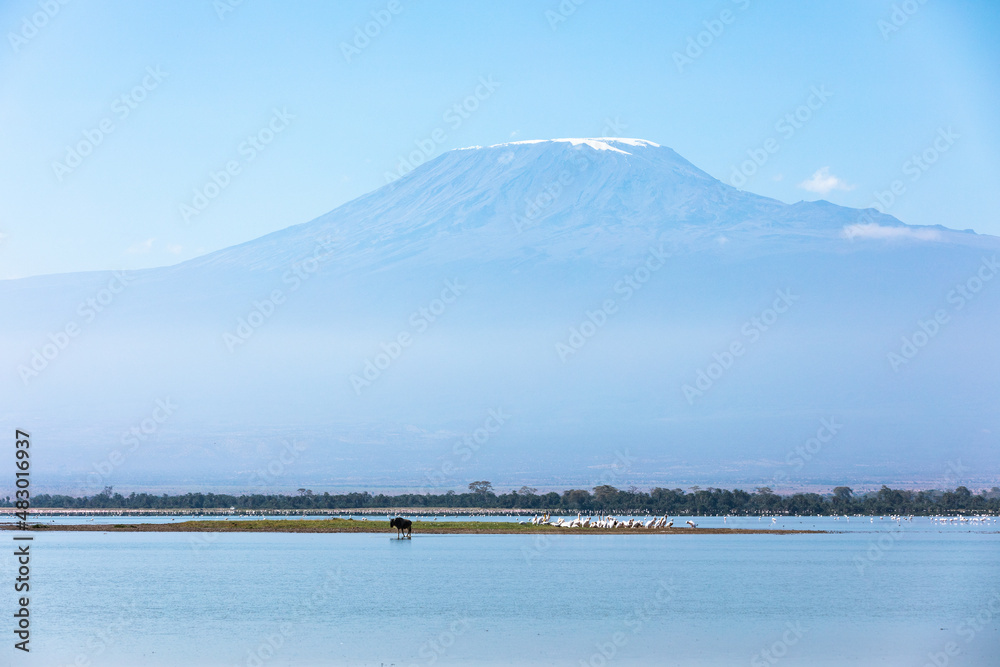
<point>558,313</point>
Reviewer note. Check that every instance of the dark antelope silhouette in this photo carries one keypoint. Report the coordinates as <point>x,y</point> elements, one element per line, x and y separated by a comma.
<point>401,524</point>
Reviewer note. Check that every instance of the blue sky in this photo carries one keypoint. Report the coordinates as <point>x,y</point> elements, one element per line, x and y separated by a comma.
<point>182,87</point>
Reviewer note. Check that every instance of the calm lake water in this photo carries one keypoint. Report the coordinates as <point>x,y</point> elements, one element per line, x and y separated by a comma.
<point>880,594</point>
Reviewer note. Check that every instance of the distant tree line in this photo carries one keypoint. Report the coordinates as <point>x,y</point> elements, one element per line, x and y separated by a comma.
<point>602,499</point>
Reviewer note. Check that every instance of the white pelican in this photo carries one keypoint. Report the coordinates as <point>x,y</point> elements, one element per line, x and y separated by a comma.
<point>692,524</point>
<point>670,524</point>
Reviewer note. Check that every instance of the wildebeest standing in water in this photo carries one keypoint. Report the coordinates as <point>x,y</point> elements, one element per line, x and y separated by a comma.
<point>401,524</point>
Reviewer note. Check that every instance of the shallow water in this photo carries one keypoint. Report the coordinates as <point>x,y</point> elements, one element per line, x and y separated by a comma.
<point>882,594</point>
<point>854,523</point>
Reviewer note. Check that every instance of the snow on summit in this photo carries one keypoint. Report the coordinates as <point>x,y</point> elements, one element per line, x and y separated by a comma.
<point>552,198</point>
<point>601,144</point>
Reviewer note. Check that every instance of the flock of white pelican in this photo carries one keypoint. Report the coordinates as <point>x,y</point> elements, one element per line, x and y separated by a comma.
<point>603,522</point>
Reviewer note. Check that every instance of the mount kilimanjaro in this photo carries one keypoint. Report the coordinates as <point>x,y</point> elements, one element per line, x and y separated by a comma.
<point>556,313</point>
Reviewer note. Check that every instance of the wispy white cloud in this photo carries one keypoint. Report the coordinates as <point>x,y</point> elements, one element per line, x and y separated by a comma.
<point>140,247</point>
<point>174,248</point>
<point>874,230</point>
<point>823,182</point>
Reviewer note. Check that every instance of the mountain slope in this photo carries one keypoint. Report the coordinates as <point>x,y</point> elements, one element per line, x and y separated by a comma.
<point>594,290</point>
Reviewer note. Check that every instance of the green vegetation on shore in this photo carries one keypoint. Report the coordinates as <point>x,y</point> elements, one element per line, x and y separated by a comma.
<point>603,499</point>
<point>380,526</point>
